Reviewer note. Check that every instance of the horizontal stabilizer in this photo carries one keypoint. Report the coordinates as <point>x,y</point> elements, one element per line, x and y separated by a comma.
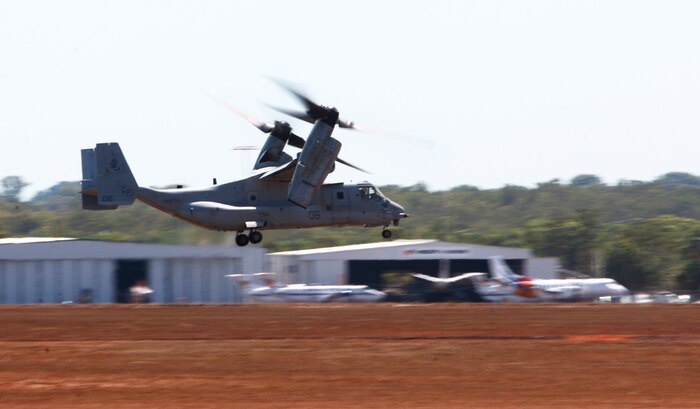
<point>90,203</point>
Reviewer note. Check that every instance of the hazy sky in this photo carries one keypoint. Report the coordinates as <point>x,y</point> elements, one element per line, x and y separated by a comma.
<point>510,92</point>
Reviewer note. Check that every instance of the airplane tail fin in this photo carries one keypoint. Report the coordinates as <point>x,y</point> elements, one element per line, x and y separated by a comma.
<point>246,281</point>
<point>107,180</point>
<point>500,270</point>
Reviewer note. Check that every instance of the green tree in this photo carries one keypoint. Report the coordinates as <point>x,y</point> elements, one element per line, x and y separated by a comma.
<point>573,239</point>
<point>624,264</point>
<point>678,179</point>
<point>689,278</point>
<point>12,188</point>
<point>656,247</point>
<point>586,180</point>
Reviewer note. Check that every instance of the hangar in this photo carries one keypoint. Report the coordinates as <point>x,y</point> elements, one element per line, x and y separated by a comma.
<point>371,264</point>
<point>56,270</point>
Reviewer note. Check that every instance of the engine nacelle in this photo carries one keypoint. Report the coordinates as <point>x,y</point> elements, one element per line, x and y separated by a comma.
<point>316,161</point>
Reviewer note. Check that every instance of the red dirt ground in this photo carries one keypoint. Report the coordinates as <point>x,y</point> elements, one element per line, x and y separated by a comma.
<point>350,356</point>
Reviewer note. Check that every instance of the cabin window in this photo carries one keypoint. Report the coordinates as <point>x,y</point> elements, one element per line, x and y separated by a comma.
<point>367,192</point>
<point>340,195</point>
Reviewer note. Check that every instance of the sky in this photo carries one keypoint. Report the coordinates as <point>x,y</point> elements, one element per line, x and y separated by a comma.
<point>507,92</point>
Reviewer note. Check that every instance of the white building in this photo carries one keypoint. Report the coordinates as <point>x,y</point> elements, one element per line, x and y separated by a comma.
<point>55,270</point>
<point>366,263</point>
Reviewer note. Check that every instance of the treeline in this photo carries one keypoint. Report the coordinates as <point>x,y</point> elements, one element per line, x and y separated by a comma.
<point>645,234</point>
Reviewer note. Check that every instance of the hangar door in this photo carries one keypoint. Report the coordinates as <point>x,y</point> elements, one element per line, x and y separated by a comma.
<point>129,273</point>
<point>369,272</point>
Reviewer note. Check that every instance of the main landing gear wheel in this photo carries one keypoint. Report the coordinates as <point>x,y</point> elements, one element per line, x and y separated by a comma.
<point>386,233</point>
<point>242,240</point>
<point>255,237</point>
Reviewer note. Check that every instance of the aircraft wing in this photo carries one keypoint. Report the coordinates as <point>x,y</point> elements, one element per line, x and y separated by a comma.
<point>281,173</point>
<point>427,278</point>
<point>450,280</point>
<point>463,276</point>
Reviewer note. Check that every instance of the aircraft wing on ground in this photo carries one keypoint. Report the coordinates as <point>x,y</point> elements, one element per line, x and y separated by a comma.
<point>449,280</point>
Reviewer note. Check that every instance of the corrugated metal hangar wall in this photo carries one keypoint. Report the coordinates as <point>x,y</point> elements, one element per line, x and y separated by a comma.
<point>67,270</point>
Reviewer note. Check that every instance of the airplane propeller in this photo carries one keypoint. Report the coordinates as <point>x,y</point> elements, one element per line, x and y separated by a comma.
<point>315,111</point>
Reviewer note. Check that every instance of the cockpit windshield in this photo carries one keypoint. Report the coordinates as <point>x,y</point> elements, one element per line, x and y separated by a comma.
<point>369,193</point>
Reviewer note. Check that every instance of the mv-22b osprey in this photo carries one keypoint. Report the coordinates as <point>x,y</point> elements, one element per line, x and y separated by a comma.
<point>282,193</point>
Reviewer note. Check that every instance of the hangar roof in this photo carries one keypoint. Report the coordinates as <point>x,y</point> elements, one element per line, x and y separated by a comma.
<point>407,249</point>
<point>24,240</point>
<point>356,247</point>
<point>71,249</point>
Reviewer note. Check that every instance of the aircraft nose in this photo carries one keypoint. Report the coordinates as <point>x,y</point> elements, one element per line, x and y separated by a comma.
<point>620,289</point>
<point>398,210</point>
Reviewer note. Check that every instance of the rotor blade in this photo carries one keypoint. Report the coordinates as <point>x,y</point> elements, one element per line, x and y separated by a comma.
<point>312,109</point>
<point>306,101</point>
<point>391,135</point>
<point>346,163</point>
<point>296,141</point>
<point>263,126</point>
<point>245,148</point>
<point>346,124</point>
<point>294,114</point>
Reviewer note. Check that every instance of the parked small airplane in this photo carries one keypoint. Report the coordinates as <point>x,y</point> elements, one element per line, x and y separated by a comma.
<point>506,286</point>
<point>272,291</point>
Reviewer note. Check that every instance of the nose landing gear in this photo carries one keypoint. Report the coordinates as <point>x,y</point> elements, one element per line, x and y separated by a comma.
<point>386,233</point>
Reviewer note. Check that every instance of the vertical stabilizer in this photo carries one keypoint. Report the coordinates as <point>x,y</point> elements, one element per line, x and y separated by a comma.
<point>500,270</point>
<point>107,180</point>
<point>253,280</point>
